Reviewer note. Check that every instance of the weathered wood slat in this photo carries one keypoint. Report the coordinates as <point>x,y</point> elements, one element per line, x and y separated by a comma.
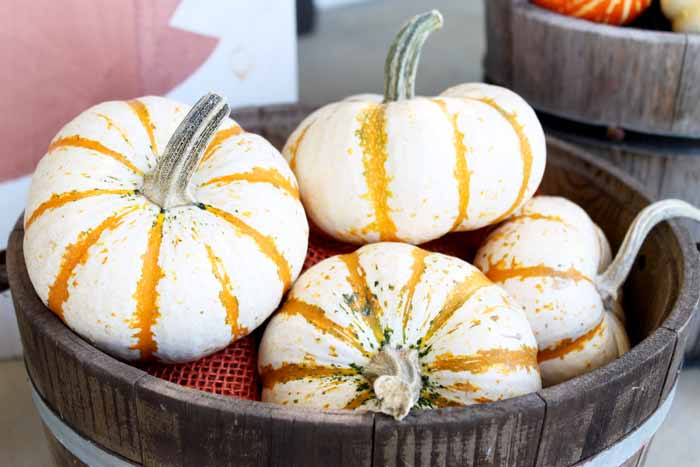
<point>500,434</point>
<point>636,79</point>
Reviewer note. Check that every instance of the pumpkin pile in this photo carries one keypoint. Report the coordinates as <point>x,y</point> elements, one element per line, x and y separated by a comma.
<point>163,234</point>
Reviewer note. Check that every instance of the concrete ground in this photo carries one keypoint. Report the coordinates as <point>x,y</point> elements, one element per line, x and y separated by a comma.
<point>346,56</point>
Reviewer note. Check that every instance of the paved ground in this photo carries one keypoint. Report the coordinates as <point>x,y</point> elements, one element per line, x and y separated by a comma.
<point>346,56</point>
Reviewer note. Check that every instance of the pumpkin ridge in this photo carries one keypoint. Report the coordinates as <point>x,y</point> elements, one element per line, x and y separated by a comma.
<point>408,290</point>
<point>265,243</point>
<point>373,139</point>
<point>295,371</point>
<point>457,297</point>
<point>525,153</point>
<point>566,346</point>
<point>226,296</point>
<point>77,141</point>
<point>358,400</point>
<point>316,317</point>
<point>77,253</point>
<point>219,138</point>
<point>509,359</point>
<point>461,171</point>
<point>146,294</point>
<point>294,147</point>
<point>58,200</point>
<point>363,302</point>
<point>257,175</point>
<point>144,117</point>
<point>497,274</point>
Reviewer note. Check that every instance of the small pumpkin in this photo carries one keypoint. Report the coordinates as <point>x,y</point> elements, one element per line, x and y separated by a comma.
<point>400,167</point>
<point>616,12</point>
<point>556,262</point>
<point>155,236</point>
<point>683,14</point>
<point>391,327</point>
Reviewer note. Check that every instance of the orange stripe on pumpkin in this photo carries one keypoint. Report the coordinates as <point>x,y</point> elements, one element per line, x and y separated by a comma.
<point>316,317</point>
<point>56,201</point>
<point>438,401</point>
<point>373,141</point>
<point>76,141</point>
<point>294,147</point>
<point>507,360</point>
<point>295,371</point>
<point>564,347</point>
<point>226,296</point>
<point>111,124</point>
<point>457,297</point>
<point>258,175</point>
<point>146,295</point>
<point>538,216</point>
<point>525,154</point>
<point>363,302</point>
<point>219,138</point>
<point>75,254</point>
<point>265,244</point>
<point>409,289</point>
<point>144,117</point>
<point>358,400</point>
<point>461,170</point>
<point>501,275</point>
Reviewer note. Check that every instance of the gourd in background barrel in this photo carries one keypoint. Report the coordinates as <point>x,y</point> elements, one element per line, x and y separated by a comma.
<point>556,262</point>
<point>400,167</point>
<point>683,14</point>
<point>616,12</point>
<point>391,327</point>
<point>152,234</point>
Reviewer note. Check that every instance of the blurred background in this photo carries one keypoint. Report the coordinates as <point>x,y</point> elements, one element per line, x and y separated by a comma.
<point>60,57</point>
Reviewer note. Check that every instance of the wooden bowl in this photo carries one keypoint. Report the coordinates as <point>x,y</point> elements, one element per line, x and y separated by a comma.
<point>620,77</point>
<point>129,415</point>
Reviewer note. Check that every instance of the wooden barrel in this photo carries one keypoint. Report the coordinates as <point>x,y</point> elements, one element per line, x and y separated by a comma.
<point>98,410</point>
<point>636,79</point>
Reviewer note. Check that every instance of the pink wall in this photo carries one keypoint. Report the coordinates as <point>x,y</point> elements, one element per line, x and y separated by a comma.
<point>61,56</point>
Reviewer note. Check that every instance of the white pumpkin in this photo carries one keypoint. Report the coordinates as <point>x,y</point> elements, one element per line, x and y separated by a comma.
<point>399,167</point>
<point>155,236</point>
<point>556,262</point>
<point>683,14</point>
<point>392,327</point>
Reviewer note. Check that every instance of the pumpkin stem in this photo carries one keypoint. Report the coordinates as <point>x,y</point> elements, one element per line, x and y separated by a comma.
<point>609,282</point>
<point>402,61</point>
<point>167,185</point>
<point>396,380</point>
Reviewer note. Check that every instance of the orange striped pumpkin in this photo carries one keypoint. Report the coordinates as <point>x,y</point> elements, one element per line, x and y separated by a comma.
<point>617,12</point>
<point>404,168</point>
<point>548,257</point>
<point>161,234</point>
<point>391,327</point>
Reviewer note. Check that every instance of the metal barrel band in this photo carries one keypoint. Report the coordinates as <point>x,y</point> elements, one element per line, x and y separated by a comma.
<point>88,452</point>
<point>633,442</point>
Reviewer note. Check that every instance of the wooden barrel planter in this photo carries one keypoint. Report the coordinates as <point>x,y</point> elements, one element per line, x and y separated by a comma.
<point>625,94</point>
<point>100,411</point>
